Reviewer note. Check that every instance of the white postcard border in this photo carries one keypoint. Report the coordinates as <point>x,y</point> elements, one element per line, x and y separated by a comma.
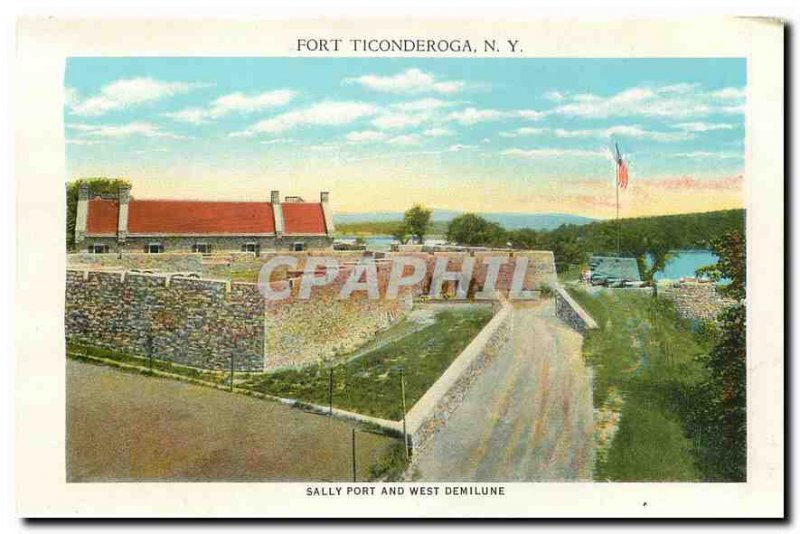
<point>44,44</point>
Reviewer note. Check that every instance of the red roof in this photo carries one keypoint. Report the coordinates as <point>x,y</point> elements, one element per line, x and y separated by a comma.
<point>102,217</point>
<point>200,217</point>
<point>303,218</point>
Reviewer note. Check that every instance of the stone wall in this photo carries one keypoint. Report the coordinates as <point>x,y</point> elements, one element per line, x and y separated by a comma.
<point>117,309</point>
<point>431,412</point>
<point>569,311</point>
<point>540,269</point>
<point>218,244</point>
<point>157,262</point>
<point>698,301</point>
<point>302,331</point>
<point>194,322</point>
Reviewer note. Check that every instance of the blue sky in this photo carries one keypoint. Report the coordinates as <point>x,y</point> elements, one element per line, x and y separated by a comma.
<point>472,134</point>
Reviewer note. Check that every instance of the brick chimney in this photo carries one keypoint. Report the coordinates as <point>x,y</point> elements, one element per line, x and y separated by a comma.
<point>277,211</point>
<point>82,212</point>
<point>124,198</point>
<point>327,212</point>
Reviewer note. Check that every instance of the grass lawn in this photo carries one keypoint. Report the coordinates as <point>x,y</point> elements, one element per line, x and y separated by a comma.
<point>571,274</point>
<point>77,351</point>
<point>647,357</point>
<point>370,383</point>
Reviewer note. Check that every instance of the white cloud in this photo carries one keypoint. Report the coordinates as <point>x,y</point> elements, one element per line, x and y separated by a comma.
<point>410,139</point>
<point>525,130</point>
<point>471,116</point>
<point>554,96</point>
<point>672,101</point>
<point>730,93</point>
<point>423,104</point>
<point>700,154</point>
<point>85,142</point>
<point>538,153</point>
<point>735,110</point>
<point>325,147</point>
<point>459,148</point>
<point>144,129</point>
<point>624,131</point>
<point>71,97</point>
<point>410,81</point>
<point>393,121</point>
<point>327,113</point>
<point>365,136</point>
<point>530,114</point>
<point>151,150</point>
<point>243,103</point>
<point>234,103</point>
<point>123,93</point>
<point>702,126</point>
<point>411,113</point>
<point>190,115</point>
<point>278,141</point>
<point>437,132</point>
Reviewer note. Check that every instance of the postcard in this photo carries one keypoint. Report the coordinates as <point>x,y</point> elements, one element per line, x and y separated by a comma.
<point>332,268</point>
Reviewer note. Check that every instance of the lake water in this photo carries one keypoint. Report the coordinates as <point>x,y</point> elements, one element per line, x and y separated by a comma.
<point>684,263</point>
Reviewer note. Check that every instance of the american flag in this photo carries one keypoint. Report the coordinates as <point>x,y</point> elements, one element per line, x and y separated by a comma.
<point>622,171</point>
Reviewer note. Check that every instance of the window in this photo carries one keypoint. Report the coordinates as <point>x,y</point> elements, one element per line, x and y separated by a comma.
<point>203,248</point>
<point>98,249</point>
<point>298,247</point>
<point>154,248</point>
<point>250,247</point>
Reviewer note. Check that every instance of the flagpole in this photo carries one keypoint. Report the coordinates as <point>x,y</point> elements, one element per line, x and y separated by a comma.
<point>618,226</point>
<point>617,190</point>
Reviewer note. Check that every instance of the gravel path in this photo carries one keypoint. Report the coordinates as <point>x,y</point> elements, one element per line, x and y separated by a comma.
<point>528,417</point>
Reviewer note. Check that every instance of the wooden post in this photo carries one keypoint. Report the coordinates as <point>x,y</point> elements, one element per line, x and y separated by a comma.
<point>150,351</point>
<point>231,383</point>
<point>330,392</point>
<point>403,396</point>
<point>354,453</point>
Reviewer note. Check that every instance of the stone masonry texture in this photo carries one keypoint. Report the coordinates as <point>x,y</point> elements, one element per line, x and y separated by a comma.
<point>698,301</point>
<point>201,323</point>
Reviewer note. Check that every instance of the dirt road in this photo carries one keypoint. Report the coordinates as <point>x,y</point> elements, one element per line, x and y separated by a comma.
<point>528,417</point>
<point>129,427</point>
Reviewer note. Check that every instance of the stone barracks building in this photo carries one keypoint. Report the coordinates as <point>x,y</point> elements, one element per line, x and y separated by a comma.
<point>124,224</point>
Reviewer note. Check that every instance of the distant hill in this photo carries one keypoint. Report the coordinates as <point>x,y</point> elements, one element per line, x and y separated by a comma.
<point>510,221</point>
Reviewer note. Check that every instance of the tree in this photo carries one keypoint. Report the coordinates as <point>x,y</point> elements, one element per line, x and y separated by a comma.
<point>416,221</point>
<point>725,411</point>
<point>471,229</point>
<point>98,186</point>
<point>400,233</point>
<point>732,264</point>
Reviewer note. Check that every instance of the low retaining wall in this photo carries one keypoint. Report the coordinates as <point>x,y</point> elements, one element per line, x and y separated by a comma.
<point>431,412</point>
<point>698,301</point>
<point>569,311</point>
<point>158,262</point>
<point>195,322</point>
